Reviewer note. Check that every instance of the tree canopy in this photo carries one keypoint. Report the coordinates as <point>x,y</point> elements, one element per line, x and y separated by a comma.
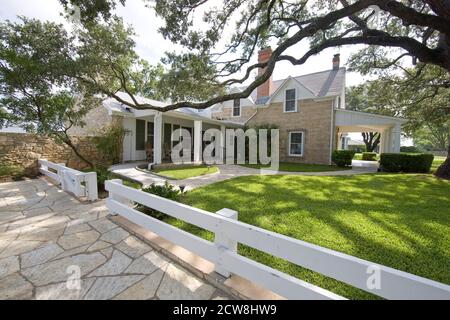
<point>420,94</point>
<point>43,70</point>
<point>393,30</point>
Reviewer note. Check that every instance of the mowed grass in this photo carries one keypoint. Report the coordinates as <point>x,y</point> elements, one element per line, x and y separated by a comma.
<point>186,172</point>
<point>436,163</point>
<point>129,183</point>
<point>398,220</point>
<point>298,167</point>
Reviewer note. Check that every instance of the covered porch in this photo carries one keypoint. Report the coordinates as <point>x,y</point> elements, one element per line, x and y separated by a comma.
<point>347,121</point>
<point>149,132</point>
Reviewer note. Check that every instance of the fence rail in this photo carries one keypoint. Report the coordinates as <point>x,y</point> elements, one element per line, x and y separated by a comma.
<point>371,277</point>
<point>81,184</point>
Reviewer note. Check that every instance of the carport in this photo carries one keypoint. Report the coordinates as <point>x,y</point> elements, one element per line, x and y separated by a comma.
<point>347,121</point>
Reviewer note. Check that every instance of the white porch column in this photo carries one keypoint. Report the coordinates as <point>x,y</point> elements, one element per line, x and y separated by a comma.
<point>382,141</point>
<point>197,141</point>
<point>222,144</point>
<point>157,133</point>
<point>396,136</point>
<point>388,141</point>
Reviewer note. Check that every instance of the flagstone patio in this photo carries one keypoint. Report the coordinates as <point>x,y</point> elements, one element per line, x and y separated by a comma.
<point>54,247</point>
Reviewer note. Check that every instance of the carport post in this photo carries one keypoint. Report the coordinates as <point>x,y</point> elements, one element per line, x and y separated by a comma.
<point>396,136</point>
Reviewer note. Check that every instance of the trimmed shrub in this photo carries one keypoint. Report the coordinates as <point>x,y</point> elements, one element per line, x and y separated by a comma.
<point>409,149</point>
<point>167,191</point>
<point>406,162</point>
<point>369,156</point>
<point>342,158</point>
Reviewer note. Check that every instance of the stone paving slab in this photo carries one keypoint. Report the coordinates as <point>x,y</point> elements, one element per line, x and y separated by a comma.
<point>54,247</point>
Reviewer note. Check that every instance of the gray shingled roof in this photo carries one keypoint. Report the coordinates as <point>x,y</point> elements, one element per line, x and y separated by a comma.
<point>322,84</point>
<point>114,105</point>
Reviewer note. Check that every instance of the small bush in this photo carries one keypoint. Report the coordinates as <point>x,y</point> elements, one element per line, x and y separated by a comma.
<point>410,149</point>
<point>406,162</point>
<point>109,141</point>
<point>342,158</point>
<point>102,175</point>
<point>369,156</point>
<point>167,191</point>
<point>14,172</point>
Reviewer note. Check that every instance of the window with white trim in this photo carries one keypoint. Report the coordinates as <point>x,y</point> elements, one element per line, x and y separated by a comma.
<point>290,100</point>
<point>236,107</point>
<point>296,143</point>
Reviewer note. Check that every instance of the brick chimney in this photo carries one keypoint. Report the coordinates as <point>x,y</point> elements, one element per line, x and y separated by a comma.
<point>265,89</point>
<point>336,61</point>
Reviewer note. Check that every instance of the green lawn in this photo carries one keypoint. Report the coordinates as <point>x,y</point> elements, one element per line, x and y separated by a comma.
<point>298,167</point>
<point>402,221</point>
<point>358,156</point>
<point>186,172</point>
<point>128,183</point>
<point>437,162</point>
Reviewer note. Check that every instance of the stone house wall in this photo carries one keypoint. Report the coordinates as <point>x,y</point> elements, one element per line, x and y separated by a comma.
<point>95,119</point>
<point>314,118</point>
<point>226,114</point>
<point>24,149</point>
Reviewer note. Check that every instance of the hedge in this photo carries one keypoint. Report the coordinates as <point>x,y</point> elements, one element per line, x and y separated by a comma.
<point>406,162</point>
<point>409,149</point>
<point>342,158</point>
<point>369,156</point>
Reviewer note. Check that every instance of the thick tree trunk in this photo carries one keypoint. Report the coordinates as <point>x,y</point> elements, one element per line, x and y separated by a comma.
<point>66,139</point>
<point>444,169</point>
<point>371,140</point>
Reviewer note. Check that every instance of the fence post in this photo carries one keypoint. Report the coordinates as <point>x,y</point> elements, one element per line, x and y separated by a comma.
<point>62,177</point>
<point>223,242</point>
<point>42,166</point>
<point>91,185</point>
<point>117,197</point>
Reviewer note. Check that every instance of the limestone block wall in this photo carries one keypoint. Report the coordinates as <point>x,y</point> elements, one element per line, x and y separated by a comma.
<point>24,149</point>
<point>226,114</point>
<point>313,118</point>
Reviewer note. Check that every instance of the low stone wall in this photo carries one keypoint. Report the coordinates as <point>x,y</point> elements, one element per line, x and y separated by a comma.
<point>24,149</point>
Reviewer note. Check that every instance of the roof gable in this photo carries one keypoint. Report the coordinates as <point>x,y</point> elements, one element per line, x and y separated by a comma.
<point>291,83</point>
<point>322,84</point>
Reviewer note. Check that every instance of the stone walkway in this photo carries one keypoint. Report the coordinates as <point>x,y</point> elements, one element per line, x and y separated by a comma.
<point>227,171</point>
<point>49,240</point>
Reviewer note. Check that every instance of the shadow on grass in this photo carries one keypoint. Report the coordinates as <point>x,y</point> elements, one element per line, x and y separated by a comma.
<point>402,221</point>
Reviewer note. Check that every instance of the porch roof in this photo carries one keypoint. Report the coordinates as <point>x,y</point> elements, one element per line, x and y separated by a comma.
<point>117,108</point>
<point>357,121</point>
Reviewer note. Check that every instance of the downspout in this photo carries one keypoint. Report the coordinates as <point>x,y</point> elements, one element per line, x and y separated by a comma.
<point>331,132</point>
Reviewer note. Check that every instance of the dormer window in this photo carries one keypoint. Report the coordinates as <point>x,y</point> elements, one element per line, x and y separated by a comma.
<point>237,108</point>
<point>290,101</point>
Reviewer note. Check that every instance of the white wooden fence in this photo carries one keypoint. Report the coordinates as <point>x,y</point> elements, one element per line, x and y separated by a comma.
<point>81,184</point>
<point>371,277</point>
